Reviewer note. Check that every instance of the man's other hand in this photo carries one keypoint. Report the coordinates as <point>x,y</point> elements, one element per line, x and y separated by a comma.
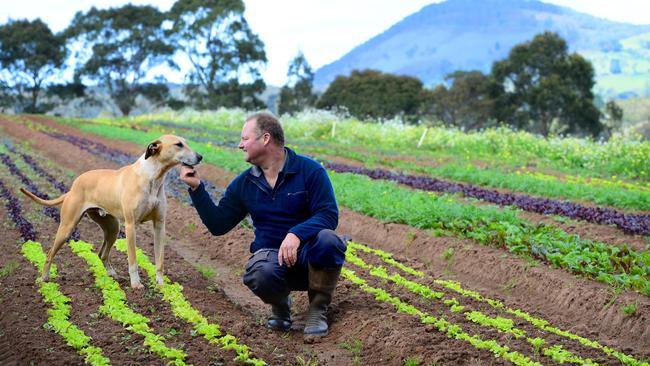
<point>288,252</point>
<point>190,176</point>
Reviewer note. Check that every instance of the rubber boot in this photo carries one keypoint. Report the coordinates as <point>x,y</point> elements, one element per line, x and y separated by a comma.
<point>322,283</point>
<point>280,315</point>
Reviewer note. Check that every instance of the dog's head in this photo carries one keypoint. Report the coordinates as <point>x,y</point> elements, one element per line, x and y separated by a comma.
<point>172,150</point>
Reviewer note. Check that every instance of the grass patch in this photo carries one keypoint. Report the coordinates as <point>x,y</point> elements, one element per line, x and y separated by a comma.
<point>207,271</point>
<point>9,268</point>
<point>353,345</point>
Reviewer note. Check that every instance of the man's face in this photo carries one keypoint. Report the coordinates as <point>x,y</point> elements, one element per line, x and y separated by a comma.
<point>252,142</point>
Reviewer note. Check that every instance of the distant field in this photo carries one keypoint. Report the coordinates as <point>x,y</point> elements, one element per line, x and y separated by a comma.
<point>635,110</point>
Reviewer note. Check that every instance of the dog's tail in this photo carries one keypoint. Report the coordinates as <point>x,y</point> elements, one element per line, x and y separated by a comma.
<point>54,202</point>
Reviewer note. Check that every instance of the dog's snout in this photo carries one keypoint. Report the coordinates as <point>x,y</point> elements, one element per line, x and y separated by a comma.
<point>199,157</point>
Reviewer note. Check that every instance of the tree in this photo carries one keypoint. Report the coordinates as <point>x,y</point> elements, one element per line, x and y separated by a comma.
<point>469,103</point>
<point>436,105</point>
<point>297,94</point>
<point>30,54</point>
<point>613,118</point>
<point>6,99</point>
<point>126,43</point>
<point>373,94</point>
<point>225,53</point>
<point>541,83</point>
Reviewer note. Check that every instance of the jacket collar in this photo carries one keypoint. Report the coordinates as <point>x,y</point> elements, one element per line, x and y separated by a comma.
<point>289,166</point>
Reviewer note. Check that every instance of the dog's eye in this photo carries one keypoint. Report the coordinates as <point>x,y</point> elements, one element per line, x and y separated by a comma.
<point>179,144</point>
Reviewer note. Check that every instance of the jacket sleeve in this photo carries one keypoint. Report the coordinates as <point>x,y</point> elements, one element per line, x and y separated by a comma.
<point>325,212</point>
<point>221,218</point>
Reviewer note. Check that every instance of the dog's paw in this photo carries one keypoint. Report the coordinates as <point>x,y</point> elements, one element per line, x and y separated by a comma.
<point>136,285</point>
<point>160,278</point>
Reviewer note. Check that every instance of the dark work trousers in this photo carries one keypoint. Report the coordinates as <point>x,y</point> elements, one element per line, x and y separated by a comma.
<point>272,282</point>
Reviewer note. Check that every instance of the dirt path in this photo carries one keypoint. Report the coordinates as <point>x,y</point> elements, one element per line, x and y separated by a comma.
<point>568,302</point>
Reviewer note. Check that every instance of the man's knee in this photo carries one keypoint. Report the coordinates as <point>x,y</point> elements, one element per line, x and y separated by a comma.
<point>328,250</point>
<point>263,278</point>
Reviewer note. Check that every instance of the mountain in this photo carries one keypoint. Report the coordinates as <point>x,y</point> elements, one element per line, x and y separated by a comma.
<point>472,34</point>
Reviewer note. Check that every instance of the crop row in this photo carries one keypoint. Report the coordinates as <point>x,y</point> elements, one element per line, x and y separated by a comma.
<point>450,330</point>
<point>116,308</point>
<point>385,200</point>
<point>505,325</point>
<point>629,223</point>
<point>494,227</point>
<point>59,311</point>
<point>620,156</point>
<point>543,185</point>
<point>18,168</point>
<point>15,211</point>
<point>599,191</point>
<point>173,294</point>
<point>624,197</point>
<point>7,161</point>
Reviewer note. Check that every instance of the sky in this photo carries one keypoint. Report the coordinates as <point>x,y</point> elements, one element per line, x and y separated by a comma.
<point>323,30</point>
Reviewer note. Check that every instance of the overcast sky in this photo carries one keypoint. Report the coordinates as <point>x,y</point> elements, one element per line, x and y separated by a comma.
<point>323,30</point>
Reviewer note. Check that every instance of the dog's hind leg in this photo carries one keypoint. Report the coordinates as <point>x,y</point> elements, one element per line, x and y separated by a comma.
<point>159,248</point>
<point>71,212</point>
<point>111,227</point>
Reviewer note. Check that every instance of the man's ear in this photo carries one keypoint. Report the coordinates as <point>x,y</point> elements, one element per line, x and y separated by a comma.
<point>153,149</point>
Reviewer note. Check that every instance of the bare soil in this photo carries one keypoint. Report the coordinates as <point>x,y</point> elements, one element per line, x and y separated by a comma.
<point>585,307</point>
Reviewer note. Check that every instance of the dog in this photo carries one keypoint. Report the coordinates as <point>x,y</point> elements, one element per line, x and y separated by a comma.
<point>132,194</point>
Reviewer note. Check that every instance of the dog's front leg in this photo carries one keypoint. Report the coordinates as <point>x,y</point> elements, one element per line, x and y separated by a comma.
<point>129,227</point>
<point>159,247</point>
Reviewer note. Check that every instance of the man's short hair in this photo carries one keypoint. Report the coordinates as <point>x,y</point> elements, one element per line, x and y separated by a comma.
<point>267,123</point>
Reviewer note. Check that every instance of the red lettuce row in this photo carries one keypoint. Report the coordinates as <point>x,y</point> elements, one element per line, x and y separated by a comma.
<point>629,223</point>
<point>15,212</point>
<point>49,211</point>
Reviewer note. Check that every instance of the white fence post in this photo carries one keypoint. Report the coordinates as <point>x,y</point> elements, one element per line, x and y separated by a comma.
<point>422,137</point>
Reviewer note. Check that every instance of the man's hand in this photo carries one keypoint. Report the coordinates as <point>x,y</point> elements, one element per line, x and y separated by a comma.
<point>190,176</point>
<point>288,252</point>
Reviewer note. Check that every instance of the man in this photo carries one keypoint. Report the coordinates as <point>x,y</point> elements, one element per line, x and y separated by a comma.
<point>292,204</point>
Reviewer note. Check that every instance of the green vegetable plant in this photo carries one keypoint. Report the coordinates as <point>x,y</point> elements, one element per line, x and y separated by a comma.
<point>503,325</point>
<point>172,292</point>
<point>59,311</point>
<point>542,324</point>
<point>116,308</point>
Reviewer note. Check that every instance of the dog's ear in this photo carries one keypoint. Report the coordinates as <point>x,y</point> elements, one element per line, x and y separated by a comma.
<point>153,149</point>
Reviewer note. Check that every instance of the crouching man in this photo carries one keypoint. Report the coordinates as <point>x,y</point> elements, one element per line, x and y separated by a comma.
<point>294,212</point>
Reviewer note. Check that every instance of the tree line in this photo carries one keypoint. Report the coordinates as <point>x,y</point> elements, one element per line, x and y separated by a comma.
<point>540,87</point>
<point>119,49</point>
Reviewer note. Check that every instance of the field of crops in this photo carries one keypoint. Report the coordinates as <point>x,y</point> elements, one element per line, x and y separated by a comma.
<point>488,248</point>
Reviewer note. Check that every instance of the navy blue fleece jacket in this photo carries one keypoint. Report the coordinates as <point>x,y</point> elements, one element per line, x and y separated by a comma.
<point>302,202</point>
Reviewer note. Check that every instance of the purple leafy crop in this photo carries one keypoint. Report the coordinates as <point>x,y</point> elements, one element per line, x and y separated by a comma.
<point>37,168</point>
<point>15,212</point>
<point>629,223</point>
<point>49,211</point>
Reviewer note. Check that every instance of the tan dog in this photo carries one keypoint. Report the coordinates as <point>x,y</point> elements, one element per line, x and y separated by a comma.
<point>132,194</point>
